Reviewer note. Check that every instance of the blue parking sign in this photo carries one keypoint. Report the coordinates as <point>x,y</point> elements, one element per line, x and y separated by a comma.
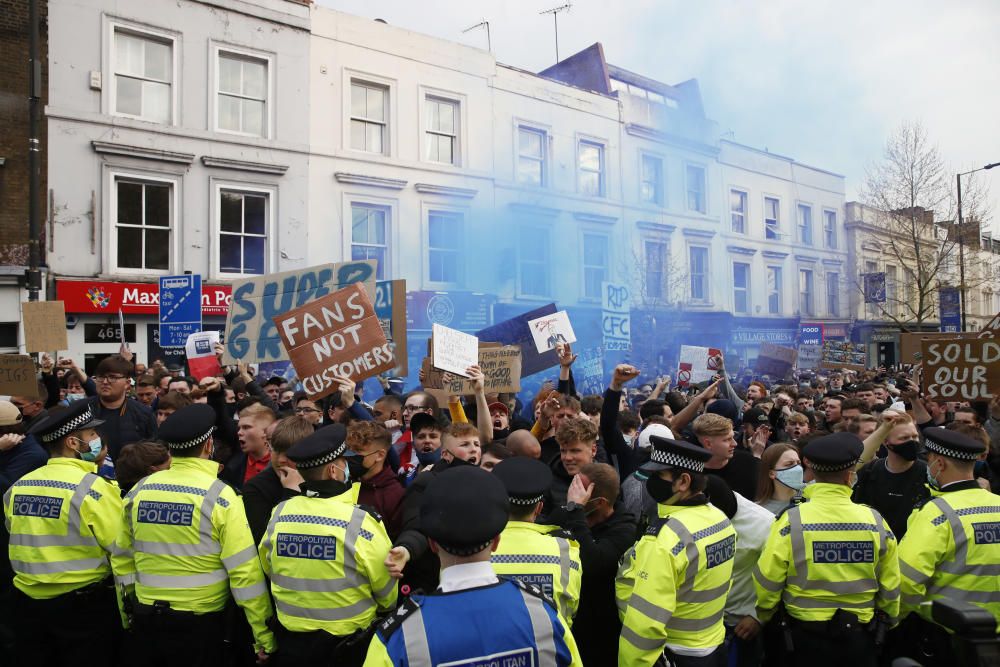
<point>180,309</point>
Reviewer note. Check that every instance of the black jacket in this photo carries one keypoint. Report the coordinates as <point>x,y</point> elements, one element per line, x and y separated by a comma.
<point>624,454</point>
<point>260,496</point>
<point>124,425</point>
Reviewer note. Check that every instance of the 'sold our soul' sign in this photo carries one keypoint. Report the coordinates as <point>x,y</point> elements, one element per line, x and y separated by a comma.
<point>336,335</point>
<point>961,370</point>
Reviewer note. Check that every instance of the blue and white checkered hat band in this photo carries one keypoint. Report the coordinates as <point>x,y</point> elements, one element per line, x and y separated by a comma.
<point>323,460</point>
<point>77,422</point>
<point>194,442</point>
<point>832,467</point>
<point>938,448</point>
<point>677,460</point>
<point>527,501</point>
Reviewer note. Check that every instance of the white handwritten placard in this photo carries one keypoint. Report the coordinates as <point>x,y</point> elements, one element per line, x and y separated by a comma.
<point>453,350</point>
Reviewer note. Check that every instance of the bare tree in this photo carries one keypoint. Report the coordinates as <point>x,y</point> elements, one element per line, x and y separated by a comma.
<point>911,199</point>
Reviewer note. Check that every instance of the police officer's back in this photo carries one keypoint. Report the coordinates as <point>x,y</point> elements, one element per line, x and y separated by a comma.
<point>546,556</point>
<point>63,521</point>
<point>952,545</point>
<point>324,556</point>
<point>474,617</point>
<point>672,585</point>
<point>831,562</point>
<point>192,550</point>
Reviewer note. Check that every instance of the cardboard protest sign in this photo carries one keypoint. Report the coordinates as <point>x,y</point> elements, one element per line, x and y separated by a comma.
<point>588,371</point>
<point>337,334</point>
<point>909,343</point>
<point>17,376</point>
<point>500,365</point>
<point>44,326</point>
<point>549,330</point>
<point>453,350</point>
<point>809,357</point>
<point>200,351</point>
<point>840,366</point>
<point>991,329</point>
<point>390,306</point>
<point>516,331</point>
<point>697,364</point>
<point>615,317</point>
<point>775,360</point>
<point>251,335</point>
<point>961,369</point>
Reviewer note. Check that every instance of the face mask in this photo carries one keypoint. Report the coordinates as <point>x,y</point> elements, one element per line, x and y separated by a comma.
<point>429,458</point>
<point>791,477</point>
<point>590,510</point>
<point>628,439</point>
<point>661,490</point>
<point>356,466</point>
<point>95,449</point>
<point>347,473</point>
<point>930,478</point>
<point>74,397</point>
<point>906,450</point>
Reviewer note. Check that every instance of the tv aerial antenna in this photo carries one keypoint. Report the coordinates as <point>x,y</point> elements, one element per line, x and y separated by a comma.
<point>555,21</point>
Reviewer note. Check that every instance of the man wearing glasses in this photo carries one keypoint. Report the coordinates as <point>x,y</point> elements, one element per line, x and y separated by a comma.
<point>125,419</point>
<point>307,408</point>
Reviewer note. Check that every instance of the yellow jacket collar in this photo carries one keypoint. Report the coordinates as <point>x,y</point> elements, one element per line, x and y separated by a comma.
<point>530,526</point>
<point>824,490</point>
<point>195,464</point>
<point>86,466</point>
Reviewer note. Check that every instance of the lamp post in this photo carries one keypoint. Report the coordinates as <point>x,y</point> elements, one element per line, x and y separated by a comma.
<point>961,237</point>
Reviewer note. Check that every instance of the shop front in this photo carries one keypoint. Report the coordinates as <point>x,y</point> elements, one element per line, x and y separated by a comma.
<point>747,334</point>
<point>94,332</point>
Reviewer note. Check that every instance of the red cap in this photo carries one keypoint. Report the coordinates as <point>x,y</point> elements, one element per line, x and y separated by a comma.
<point>497,405</point>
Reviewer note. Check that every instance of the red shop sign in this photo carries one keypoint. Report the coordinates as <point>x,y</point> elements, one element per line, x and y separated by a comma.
<point>95,296</point>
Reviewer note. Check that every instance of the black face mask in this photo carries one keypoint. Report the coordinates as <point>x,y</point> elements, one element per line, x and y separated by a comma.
<point>659,489</point>
<point>356,464</point>
<point>906,450</point>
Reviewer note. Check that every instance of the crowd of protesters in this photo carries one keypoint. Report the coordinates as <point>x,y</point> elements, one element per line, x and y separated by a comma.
<point>594,448</point>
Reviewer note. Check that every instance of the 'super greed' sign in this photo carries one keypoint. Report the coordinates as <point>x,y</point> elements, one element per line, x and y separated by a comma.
<point>335,335</point>
<point>251,336</point>
<point>961,370</point>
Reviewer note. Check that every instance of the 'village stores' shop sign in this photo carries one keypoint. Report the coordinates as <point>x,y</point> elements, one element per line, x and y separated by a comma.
<point>106,298</point>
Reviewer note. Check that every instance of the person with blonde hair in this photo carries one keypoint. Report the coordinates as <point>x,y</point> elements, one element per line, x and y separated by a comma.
<point>736,466</point>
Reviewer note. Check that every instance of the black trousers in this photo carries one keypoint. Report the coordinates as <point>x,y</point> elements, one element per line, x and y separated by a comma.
<point>718,658</point>
<point>319,648</point>
<point>165,637</point>
<point>79,629</point>
<point>814,647</point>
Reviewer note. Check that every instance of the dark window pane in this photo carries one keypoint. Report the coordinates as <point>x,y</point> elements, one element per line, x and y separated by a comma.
<point>230,254</point>
<point>253,211</point>
<point>253,255</point>
<point>129,203</point>
<point>157,249</point>
<point>129,248</point>
<point>158,205</point>
<point>231,212</point>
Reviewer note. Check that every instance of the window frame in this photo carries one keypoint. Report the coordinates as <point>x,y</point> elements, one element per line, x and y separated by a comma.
<point>111,193</point>
<point>833,293</point>
<point>777,220</point>
<point>215,246</point>
<point>687,187</point>
<point>146,32</point>
<point>664,285</point>
<point>801,228</point>
<point>602,173</point>
<point>463,215</point>
<point>218,48</point>
<point>706,286</point>
<point>778,289</point>
<point>545,133</point>
<point>350,77</point>
<point>371,204</point>
<point>745,213</point>
<point>527,229</point>
<point>606,269</point>
<point>660,190</point>
<point>830,236</point>
<point>746,290</point>
<point>460,136</point>
<point>811,301</point>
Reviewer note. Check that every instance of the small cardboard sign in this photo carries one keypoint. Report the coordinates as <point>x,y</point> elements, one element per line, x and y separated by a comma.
<point>697,364</point>
<point>200,351</point>
<point>961,369</point>
<point>17,376</point>
<point>500,365</point>
<point>775,360</point>
<point>453,350</point>
<point>549,330</point>
<point>250,332</point>
<point>809,357</point>
<point>44,326</point>
<point>909,343</point>
<point>337,334</point>
<point>991,329</point>
<point>516,331</point>
<point>390,306</point>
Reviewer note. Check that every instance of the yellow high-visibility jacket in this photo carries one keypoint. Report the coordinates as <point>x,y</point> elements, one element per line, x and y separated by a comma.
<point>544,556</point>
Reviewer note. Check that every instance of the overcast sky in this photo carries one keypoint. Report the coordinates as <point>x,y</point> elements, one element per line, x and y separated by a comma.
<point>823,81</point>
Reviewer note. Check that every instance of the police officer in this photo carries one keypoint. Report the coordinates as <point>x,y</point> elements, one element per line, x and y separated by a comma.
<point>546,556</point>
<point>952,546</point>
<point>324,557</point>
<point>831,562</point>
<point>475,616</point>
<point>192,549</point>
<point>63,521</point>
<point>672,585</point>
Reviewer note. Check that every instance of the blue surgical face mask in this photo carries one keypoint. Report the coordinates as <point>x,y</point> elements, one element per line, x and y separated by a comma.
<point>931,479</point>
<point>429,458</point>
<point>792,477</point>
<point>95,449</point>
<point>347,473</point>
<point>74,397</point>
<point>628,439</point>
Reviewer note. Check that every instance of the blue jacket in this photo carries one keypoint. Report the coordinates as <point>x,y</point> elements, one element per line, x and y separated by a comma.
<point>18,461</point>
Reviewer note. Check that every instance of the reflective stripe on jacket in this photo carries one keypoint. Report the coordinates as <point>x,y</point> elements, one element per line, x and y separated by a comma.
<point>543,556</point>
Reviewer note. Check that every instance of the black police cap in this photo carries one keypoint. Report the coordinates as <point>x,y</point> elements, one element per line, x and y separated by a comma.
<point>188,427</point>
<point>525,479</point>
<point>463,509</point>
<point>952,444</point>
<point>667,453</point>
<point>831,453</point>
<point>320,448</point>
<point>60,423</point>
